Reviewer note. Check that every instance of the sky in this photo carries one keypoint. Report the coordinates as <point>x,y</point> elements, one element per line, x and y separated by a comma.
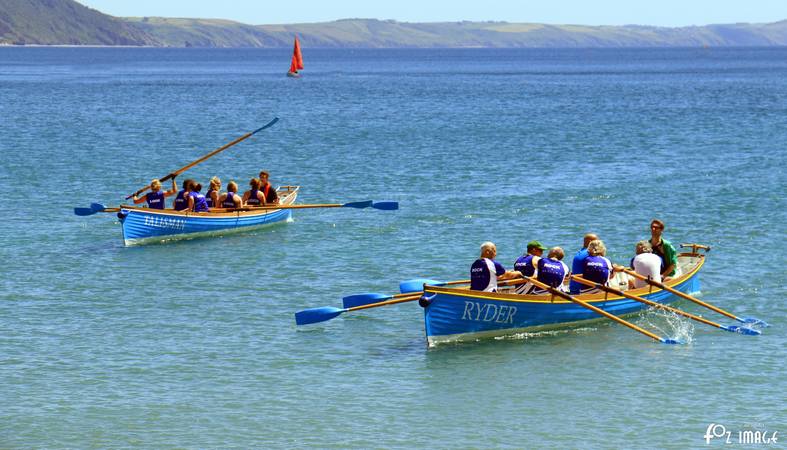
<point>585,12</point>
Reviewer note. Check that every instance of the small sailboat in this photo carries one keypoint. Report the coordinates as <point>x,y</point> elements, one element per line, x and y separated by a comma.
<point>297,60</point>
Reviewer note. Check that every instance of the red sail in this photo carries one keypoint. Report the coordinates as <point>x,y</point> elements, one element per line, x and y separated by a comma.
<point>297,58</point>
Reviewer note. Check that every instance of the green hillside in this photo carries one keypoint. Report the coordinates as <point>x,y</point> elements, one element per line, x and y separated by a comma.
<point>64,22</point>
<point>68,22</point>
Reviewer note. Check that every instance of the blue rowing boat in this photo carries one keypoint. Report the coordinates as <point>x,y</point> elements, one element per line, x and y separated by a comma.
<point>455,314</point>
<point>146,225</point>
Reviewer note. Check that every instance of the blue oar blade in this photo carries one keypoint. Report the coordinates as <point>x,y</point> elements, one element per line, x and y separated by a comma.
<point>755,321</point>
<point>670,341</point>
<point>352,301</point>
<point>84,211</point>
<point>268,125</point>
<point>316,315</point>
<point>742,330</point>
<point>359,205</point>
<point>97,207</point>
<point>386,206</point>
<point>417,285</point>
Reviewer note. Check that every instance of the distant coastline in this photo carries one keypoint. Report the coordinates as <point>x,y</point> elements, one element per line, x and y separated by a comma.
<point>30,23</point>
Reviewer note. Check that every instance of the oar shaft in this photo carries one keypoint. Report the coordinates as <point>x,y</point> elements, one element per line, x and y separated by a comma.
<point>681,294</point>
<point>595,309</point>
<point>408,298</point>
<point>204,158</point>
<point>645,301</point>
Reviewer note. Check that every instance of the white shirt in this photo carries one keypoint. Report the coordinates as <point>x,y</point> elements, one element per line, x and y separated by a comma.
<point>648,265</point>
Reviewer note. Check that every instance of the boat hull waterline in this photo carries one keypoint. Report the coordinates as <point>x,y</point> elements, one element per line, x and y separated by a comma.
<point>459,314</point>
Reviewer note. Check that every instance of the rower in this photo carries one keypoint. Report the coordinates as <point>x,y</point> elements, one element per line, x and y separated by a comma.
<point>197,202</point>
<point>271,196</point>
<point>596,268</point>
<point>579,260</point>
<point>231,199</point>
<point>552,270</point>
<point>155,198</point>
<point>485,271</point>
<point>181,200</point>
<point>527,263</point>
<point>254,197</point>
<point>212,196</point>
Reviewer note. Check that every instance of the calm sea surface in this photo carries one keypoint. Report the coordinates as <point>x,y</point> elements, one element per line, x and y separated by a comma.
<point>193,344</point>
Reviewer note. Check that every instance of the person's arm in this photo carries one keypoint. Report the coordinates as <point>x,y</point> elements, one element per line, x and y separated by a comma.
<point>172,191</point>
<point>238,202</point>
<point>191,203</point>
<point>670,259</point>
<point>215,197</point>
<point>245,197</point>
<point>138,200</point>
<point>261,198</point>
<point>275,199</point>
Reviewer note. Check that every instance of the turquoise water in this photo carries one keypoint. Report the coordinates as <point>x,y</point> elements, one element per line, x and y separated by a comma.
<point>193,344</point>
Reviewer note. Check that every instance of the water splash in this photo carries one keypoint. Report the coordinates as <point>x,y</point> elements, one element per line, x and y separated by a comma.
<point>668,324</point>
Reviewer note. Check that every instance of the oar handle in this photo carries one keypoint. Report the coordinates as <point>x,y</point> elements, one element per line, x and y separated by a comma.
<point>595,309</point>
<point>681,294</point>
<point>644,300</point>
<point>408,298</point>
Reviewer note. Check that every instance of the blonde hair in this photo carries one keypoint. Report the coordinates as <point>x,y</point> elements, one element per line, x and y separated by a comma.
<point>597,248</point>
<point>232,187</point>
<point>254,183</point>
<point>155,185</point>
<point>215,183</point>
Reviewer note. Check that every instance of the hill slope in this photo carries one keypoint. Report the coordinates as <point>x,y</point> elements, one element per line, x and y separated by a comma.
<point>64,22</point>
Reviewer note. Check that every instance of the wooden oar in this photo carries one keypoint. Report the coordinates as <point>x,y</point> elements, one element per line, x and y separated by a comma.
<point>597,310</point>
<point>315,315</point>
<point>749,320</point>
<point>389,206</point>
<point>94,208</point>
<point>351,301</point>
<point>408,288</point>
<point>209,155</point>
<point>731,328</point>
<point>417,284</point>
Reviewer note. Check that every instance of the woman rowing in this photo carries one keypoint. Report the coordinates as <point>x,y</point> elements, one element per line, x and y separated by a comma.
<point>212,196</point>
<point>156,197</point>
<point>254,197</point>
<point>231,199</point>
<point>197,201</point>
<point>181,200</point>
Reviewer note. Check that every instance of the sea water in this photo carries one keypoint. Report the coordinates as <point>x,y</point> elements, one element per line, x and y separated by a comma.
<point>193,344</point>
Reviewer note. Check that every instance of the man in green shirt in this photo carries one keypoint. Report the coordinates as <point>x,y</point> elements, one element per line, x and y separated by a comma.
<point>663,248</point>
